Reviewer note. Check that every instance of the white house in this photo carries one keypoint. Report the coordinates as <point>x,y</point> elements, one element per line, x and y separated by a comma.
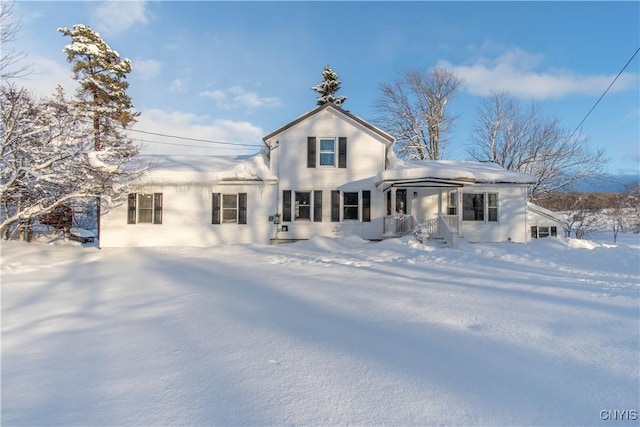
<point>328,173</point>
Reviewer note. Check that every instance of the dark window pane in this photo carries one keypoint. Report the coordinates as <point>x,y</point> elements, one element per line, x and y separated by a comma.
<point>350,212</point>
<point>327,159</point>
<point>473,207</point>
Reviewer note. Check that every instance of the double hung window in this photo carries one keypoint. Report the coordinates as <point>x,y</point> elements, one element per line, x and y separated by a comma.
<point>144,208</point>
<point>303,205</point>
<point>350,205</point>
<point>229,208</point>
<point>327,152</point>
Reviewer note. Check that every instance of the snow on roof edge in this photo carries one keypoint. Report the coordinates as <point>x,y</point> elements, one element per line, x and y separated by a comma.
<point>183,170</point>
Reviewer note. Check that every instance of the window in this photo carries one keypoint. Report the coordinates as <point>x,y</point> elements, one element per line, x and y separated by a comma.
<point>350,205</point>
<point>144,208</point>
<point>327,152</point>
<point>473,207</point>
<point>478,206</point>
<point>492,207</point>
<point>229,208</point>
<point>539,232</point>
<point>303,205</point>
<point>452,203</point>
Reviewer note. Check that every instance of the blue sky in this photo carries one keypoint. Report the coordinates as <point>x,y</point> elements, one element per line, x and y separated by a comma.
<point>235,71</point>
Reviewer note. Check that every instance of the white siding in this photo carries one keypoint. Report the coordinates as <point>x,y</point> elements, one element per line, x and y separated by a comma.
<point>512,216</point>
<point>187,218</point>
<point>365,158</point>
<point>537,219</point>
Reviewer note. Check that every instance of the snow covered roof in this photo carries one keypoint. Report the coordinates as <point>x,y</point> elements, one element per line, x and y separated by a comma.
<point>546,212</point>
<point>451,170</point>
<point>170,169</point>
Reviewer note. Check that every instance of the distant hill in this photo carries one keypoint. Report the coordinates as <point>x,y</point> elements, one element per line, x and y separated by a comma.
<point>612,184</point>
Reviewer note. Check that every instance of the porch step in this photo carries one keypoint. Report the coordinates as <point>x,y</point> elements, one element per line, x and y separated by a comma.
<point>436,241</point>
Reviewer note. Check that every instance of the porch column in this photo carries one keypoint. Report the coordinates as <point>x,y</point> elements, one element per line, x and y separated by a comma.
<point>393,201</point>
<point>439,201</point>
<point>459,211</point>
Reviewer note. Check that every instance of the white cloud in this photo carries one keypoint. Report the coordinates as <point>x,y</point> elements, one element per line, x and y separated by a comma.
<point>237,97</point>
<point>147,68</point>
<point>47,75</point>
<point>178,85</point>
<point>190,125</point>
<point>114,17</point>
<point>515,72</point>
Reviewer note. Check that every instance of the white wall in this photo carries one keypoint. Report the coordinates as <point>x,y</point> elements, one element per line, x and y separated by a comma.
<point>187,217</point>
<point>365,158</point>
<point>512,216</point>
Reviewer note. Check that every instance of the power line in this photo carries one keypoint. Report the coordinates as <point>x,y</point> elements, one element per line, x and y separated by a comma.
<point>195,139</point>
<point>185,145</point>
<point>605,92</point>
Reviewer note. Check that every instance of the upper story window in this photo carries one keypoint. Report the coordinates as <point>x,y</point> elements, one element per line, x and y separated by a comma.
<point>144,208</point>
<point>327,152</point>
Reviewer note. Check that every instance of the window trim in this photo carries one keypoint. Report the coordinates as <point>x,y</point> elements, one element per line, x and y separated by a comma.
<point>297,206</point>
<point>133,208</point>
<point>552,231</point>
<point>452,203</point>
<point>350,206</point>
<point>333,152</point>
<point>218,208</point>
<point>489,212</point>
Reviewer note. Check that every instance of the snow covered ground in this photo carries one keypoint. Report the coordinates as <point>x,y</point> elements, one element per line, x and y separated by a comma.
<point>323,332</point>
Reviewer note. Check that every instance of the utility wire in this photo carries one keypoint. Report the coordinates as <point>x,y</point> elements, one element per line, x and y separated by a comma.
<point>195,139</point>
<point>186,145</point>
<point>605,92</point>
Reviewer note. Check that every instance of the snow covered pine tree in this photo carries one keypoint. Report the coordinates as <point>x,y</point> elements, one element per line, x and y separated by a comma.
<point>329,86</point>
<point>102,96</point>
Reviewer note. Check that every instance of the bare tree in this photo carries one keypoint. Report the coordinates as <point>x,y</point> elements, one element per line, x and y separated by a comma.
<point>414,109</point>
<point>47,159</point>
<point>523,140</point>
<point>9,59</point>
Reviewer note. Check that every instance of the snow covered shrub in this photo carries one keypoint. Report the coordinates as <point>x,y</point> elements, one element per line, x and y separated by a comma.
<point>421,233</point>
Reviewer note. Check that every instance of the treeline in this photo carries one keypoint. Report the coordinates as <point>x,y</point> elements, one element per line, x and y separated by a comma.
<point>589,212</point>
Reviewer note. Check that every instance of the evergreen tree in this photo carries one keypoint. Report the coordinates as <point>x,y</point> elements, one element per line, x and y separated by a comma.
<point>102,94</point>
<point>329,86</point>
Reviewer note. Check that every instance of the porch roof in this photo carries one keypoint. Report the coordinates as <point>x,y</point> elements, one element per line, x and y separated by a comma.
<point>451,172</point>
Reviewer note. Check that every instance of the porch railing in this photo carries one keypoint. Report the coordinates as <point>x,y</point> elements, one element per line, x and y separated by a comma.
<point>398,224</point>
<point>448,228</point>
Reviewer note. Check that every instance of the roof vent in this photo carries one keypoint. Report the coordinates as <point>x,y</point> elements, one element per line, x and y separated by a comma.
<point>328,115</point>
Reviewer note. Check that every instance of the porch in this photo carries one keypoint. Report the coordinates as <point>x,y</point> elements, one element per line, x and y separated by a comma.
<point>443,227</point>
<point>430,204</point>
